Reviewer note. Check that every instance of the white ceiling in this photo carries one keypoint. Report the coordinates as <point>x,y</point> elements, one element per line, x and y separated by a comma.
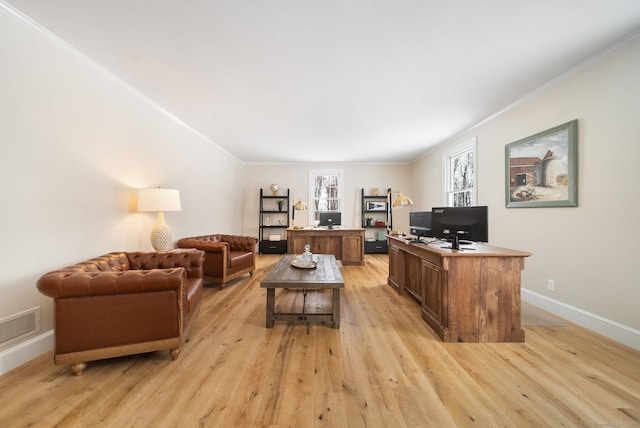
<point>335,80</point>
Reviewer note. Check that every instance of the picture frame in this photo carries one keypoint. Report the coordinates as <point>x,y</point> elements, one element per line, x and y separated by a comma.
<point>542,170</point>
<point>376,206</point>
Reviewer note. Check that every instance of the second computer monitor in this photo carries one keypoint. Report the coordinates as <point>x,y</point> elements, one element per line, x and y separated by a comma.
<point>330,219</point>
<point>420,224</point>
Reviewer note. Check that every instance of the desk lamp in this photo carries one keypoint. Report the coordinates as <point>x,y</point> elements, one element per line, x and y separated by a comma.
<point>159,200</point>
<point>298,206</point>
<point>399,201</point>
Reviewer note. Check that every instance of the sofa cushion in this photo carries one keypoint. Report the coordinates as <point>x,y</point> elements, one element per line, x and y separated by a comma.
<point>239,258</point>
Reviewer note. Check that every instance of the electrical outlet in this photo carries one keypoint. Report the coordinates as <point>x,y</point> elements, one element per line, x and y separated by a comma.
<point>551,284</point>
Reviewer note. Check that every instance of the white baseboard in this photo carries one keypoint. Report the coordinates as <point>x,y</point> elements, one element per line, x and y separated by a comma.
<point>613,330</point>
<point>25,351</point>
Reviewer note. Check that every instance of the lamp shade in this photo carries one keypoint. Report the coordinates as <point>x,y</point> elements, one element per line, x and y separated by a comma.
<point>300,206</point>
<point>400,200</point>
<point>159,199</point>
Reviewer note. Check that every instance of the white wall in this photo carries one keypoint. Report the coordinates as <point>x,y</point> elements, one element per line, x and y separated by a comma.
<point>590,251</point>
<point>296,177</point>
<point>76,143</point>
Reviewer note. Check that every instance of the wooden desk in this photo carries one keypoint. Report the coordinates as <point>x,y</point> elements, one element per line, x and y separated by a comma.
<point>465,296</point>
<point>283,275</point>
<point>347,244</point>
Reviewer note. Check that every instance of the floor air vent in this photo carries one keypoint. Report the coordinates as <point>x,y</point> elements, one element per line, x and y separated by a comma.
<point>15,327</point>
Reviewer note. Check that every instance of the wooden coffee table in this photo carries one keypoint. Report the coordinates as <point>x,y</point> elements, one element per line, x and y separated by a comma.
<point>284,275</point>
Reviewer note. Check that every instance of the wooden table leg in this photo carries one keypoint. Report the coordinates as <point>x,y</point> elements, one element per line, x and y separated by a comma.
<point>271,305</point>
<point>336,308</point>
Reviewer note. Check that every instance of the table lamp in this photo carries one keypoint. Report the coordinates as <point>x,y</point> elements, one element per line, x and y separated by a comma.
<point>159,200</point>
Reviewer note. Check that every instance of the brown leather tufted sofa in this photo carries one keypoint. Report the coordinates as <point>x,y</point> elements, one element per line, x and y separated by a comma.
<point>123,303</point>
<point>226,256</point>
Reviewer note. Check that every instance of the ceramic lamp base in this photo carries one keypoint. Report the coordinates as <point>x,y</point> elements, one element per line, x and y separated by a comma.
<point>161,239</point>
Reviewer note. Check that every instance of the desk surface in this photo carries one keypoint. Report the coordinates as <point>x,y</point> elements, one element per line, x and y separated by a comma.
<point>325,229</point>
<point>325,275</point>
<point>475,249</point>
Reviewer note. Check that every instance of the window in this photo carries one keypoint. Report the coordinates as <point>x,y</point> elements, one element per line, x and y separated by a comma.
<point>325,188</point>
<point>460,175</point>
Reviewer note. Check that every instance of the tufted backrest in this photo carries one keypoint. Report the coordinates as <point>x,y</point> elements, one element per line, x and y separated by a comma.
<point>215,242</point>
<point>190,260</point>
<point>112,262</point>
<point>240,243</point>
<point>142,260</point>
<point>208,238</point>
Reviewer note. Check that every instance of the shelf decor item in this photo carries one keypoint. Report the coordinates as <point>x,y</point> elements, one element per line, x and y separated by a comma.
<point>274,189</point>
<point>376,206</point>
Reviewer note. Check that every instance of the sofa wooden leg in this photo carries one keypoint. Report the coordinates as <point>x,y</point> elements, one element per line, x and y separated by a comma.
<point>222,285</point>
<point>78,369</point>
<point>175,353</point>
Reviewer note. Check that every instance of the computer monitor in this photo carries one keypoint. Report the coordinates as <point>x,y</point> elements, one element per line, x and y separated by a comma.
<point>330,219</point>
<point>420,224</point>
<point>455,223</point>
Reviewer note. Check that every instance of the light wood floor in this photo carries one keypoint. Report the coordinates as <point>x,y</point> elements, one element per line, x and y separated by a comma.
<point>383,368</point>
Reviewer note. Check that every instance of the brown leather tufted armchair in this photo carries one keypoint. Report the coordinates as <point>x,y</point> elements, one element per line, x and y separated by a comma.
<point>123,303</point>
<point>226,256</point>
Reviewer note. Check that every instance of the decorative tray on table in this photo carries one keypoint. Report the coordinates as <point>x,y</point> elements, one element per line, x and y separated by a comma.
<point>304,265</point>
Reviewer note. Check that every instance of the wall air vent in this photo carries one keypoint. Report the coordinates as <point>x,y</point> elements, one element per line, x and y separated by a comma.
<point>17,326</point>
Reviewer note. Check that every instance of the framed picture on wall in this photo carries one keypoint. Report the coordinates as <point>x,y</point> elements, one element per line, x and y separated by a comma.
<point>542,170</point>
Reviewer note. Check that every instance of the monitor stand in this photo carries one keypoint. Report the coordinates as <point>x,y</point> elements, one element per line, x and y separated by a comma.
<point>455,244</point>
